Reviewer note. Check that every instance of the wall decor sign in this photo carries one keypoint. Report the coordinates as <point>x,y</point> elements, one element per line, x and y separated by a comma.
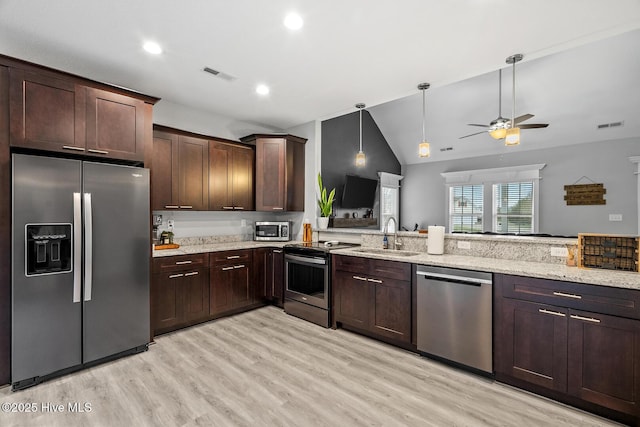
<point>585,194</point>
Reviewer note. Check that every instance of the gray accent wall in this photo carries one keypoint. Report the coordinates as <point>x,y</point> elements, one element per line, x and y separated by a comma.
<point>423,196</point>
<point>340,143</point>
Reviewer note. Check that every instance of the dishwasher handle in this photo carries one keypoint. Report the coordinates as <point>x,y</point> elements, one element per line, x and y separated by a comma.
<point>473,281</point>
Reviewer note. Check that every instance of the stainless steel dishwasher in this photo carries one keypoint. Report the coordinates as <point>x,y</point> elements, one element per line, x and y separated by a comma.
<point>454,316</point>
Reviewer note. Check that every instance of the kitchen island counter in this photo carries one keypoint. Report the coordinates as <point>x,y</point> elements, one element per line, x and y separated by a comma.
<point>619,279</point>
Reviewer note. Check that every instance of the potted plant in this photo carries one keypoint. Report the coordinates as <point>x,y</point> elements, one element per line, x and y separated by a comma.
<point>325,203</point>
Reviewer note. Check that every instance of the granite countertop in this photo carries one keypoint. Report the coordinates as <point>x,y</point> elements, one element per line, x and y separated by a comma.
<point>216,247</point>
<point>619,279</point>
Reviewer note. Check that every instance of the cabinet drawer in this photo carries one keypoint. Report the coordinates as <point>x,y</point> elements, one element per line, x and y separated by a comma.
<point>351,263</point>
<point>390,269</point>
<point>599,299</point>
<point>180,262</point>
<point>230,257</point>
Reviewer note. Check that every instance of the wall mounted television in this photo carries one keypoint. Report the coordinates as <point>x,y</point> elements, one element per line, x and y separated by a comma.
<point>358,192</point>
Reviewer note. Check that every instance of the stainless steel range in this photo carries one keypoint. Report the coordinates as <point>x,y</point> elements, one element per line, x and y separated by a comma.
<point>308,280</point>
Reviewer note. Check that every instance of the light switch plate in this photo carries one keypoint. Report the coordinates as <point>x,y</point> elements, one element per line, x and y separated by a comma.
<point>559,252</point>
<point>615,217</point>
<point>463,244</point>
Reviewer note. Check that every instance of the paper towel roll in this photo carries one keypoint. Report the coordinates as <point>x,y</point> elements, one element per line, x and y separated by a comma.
<point>435,241</point>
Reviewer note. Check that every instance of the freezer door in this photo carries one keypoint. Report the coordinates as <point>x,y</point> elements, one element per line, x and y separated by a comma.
<point>117,251</point>
<point>46,323</point>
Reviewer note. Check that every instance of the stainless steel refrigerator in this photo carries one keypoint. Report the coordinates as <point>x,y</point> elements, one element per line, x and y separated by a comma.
<point>80,266</point>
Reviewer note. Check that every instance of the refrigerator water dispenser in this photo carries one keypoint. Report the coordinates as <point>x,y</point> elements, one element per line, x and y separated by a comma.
<point>48,249</point>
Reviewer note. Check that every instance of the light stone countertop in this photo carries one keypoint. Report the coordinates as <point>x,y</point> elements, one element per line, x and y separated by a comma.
<point>618,279</point>
<point>216,247</point>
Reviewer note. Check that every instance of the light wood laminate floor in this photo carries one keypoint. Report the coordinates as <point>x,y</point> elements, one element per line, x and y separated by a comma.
<point>267,368</point>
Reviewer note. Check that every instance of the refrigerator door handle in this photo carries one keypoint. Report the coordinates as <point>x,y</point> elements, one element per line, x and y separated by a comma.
<point>77,247</point>
<point>88,247</point>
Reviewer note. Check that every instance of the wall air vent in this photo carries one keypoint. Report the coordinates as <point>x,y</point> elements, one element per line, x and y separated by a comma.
<point>219,74</point>
<point>611,125</point>
<point>447,149</point>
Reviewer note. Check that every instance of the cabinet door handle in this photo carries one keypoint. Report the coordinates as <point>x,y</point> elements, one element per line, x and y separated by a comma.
<point>238,208</point>
<point>233,257</point>
<point>586,319</point>
<point>172,207</point>
<point>186,207</point>
<point>71,147</point>
<point>193,273</point>
<point>239,266</point>
<point>277,251</point>
<point>91,150</point>
<point>553,313</point>
<point>562,294</point>
<point>175,276</point>
<point>227,268</point>
<point>228,207</point>
<point>183,262</point>
<point>360,278</point>
<point>278,209</point>
<point>374,280</point>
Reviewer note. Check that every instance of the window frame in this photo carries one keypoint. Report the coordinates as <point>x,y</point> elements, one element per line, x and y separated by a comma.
<point>488,178</point>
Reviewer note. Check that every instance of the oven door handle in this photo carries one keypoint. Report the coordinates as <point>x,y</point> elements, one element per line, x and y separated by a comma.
<point>305,259</point>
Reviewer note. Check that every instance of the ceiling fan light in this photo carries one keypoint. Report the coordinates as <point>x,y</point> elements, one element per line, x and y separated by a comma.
<point>423,149</point>
<point>498,133</point>
<point>360,159</point>
<point>512,137</point>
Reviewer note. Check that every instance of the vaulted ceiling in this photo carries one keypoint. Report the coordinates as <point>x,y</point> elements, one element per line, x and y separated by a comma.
<point>354,51</point>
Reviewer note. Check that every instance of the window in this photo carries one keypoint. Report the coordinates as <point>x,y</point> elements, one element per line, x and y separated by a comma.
<point>513,207</point>
<point>466,206</point>
<point>509,194</point>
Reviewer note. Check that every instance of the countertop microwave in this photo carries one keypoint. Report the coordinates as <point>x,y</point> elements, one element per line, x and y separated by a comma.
<point>279,231</point>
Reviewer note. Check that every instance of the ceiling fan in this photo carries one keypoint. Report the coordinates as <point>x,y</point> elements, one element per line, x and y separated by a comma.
<point>498,128</point>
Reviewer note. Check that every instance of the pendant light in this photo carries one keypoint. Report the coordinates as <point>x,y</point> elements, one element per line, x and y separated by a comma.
<point>360,158</point>
<point>423,148</point>
<point>513,133</point>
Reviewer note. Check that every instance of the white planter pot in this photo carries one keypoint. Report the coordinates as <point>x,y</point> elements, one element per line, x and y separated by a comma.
<point>323,222</point>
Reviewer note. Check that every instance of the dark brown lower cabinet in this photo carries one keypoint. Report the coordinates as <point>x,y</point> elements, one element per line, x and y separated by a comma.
<point>231,281</point>
<point>180,298</point>
<point>590,359</point>
<point>373,296</point>
<point>269,275</point>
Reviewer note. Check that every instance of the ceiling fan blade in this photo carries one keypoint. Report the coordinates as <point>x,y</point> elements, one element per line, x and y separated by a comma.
<point>472,134</point>
<point>475,124</point>
<point>534,126</point>
<point>522,118</point>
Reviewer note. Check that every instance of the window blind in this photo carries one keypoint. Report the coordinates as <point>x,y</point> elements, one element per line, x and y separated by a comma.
<point>513,207</point>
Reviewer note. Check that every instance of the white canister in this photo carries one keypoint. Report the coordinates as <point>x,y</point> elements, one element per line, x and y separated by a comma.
<point>435,241</point>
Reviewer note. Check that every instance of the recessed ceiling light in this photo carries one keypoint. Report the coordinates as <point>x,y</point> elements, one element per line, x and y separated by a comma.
<point>262,89</point>
<point>152,47</point>
<point>293,21</point>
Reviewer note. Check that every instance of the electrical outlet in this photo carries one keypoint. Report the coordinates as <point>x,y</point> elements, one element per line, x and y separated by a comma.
<point>462,244</point>
<point>559,252</point>
<point>615,217</point>
<point>170,223</point>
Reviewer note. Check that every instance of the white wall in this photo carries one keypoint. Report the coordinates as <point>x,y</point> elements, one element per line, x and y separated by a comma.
<point>423,192</point>
<point>185,118</point>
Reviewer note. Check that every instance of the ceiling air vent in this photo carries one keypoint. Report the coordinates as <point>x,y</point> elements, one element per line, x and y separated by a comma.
<point>611,125</point>
<point>219,74</point>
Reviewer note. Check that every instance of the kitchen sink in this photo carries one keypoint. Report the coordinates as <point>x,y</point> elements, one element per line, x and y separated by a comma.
<point>391,252</point>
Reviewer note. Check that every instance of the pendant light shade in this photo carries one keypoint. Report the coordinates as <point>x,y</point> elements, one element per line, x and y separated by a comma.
<point>360,157</point>
<point>512,136</point>
<point>424,150</point>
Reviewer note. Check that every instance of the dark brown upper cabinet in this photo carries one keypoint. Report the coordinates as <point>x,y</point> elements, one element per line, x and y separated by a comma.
<point>179,172</point>
<point>231,171</point>
<point>57,112</point>
<point>279,172</point>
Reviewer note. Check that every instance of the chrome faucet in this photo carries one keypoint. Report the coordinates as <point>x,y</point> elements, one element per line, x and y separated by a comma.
<point>397,243</point>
